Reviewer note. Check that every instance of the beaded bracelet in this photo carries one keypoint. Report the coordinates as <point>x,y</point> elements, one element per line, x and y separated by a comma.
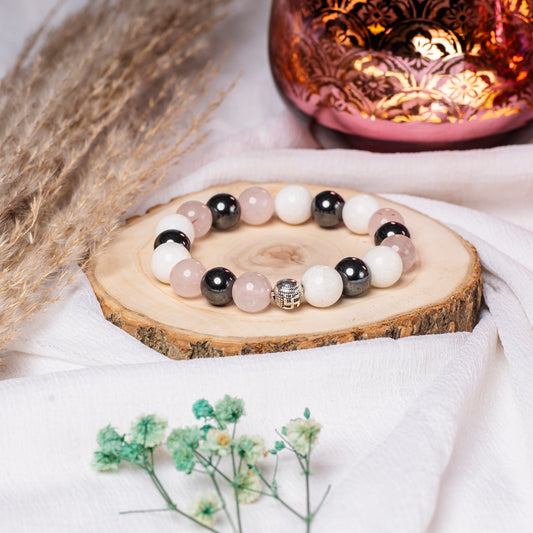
<point>321,285</point>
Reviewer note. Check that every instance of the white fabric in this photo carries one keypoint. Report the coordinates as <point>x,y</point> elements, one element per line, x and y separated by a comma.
<point>420,434</point>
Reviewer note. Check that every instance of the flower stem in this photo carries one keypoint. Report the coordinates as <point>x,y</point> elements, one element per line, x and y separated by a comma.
<point>146,511</point>
<point>222,500</point>
<point>235,490</point>
<point>322,500</point>
<point>274,494</point>
<point>205,462</point>
<point>168,500</point>
<point>309,516</point>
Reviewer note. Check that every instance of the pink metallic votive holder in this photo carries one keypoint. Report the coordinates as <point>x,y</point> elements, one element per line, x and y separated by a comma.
<point>409,74</point>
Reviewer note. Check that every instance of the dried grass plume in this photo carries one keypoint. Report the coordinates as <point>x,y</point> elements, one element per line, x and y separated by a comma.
<point>92,115</point>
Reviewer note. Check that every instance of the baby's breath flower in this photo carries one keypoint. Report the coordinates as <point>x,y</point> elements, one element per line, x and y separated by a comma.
<point>217,442</point>
<point>251,449</point>
<point>104,461</point>
<point>204,507</point>
<point>149,431</point>
<point>110,441</point>
<point>134,453</point>
<point>303,433</point>
<point>188,437</point>
<point>203,409</point>
<point>183,458</point>
<point>229,410</point>
<point>248,486</point>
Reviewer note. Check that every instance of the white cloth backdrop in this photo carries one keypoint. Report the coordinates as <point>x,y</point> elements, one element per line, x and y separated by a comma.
<point>420,434</point>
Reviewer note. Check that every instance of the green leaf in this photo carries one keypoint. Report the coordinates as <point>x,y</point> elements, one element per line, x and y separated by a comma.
<point>279,445</point>
<point>284,430</point>
<point>205,429</point>
<point>307,413</point>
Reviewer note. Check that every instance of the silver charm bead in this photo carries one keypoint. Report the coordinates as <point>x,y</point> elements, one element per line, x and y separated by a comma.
<point>287,294</point>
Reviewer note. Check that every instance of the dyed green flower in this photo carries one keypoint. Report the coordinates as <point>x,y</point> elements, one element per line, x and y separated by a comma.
<point>203,409</point>
<point>248,486</point>
<point>302,433</point>
<point>229,410</point>
<point>149,431</point>
<point>251,449</point>
<point>188,437</point>
<point>104,461</point>
<point>110,441</point>
<point>184,459</point>
<point>217,442</point>
<point>134,453</point>
<point>204,507</point>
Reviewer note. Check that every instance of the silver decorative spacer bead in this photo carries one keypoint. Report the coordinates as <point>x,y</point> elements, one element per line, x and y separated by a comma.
<point>287,294</point>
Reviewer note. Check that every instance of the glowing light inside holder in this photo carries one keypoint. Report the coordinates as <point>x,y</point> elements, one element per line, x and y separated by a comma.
<point>388,70</point>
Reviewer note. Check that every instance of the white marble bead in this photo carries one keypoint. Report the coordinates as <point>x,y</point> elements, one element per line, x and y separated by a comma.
<point>165,257</point>
<point>322,286</point>
<point>293,204</point>
<point>176,221</point>
<point>357,212</point>
<point>385,265</point>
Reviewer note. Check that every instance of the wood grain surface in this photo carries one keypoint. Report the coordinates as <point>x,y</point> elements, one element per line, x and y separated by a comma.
<point>442,293</point>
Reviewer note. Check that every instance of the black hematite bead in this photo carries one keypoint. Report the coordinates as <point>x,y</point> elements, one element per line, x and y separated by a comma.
<point>172,235</point>
<point>388,230</point>
<point>355,276</point>
<point>225,209</point>
<point>217,284</point>
<point>326,209</point>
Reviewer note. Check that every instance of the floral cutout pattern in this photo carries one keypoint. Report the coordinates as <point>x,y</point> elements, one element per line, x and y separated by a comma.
<point>438,61</point>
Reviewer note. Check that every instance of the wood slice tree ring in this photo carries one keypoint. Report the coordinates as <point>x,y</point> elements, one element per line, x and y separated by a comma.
<point>441,294</point>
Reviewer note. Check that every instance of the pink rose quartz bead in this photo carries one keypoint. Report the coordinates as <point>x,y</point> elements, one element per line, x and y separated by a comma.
<point>382,216</point>
<point>404,247</point>
<point>186,276</point>
<point>257,206</point>
<point>251,292</point>
<point>199,214</point>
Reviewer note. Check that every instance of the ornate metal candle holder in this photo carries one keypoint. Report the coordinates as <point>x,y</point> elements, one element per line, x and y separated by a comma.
<point>427,73</point>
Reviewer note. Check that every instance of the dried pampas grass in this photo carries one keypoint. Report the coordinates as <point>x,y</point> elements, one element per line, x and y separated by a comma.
<point>88,122</point>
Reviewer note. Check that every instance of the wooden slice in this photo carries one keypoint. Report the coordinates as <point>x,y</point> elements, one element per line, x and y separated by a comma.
<point>442,293</point>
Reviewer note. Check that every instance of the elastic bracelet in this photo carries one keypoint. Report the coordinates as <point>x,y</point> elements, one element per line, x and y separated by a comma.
<point>320,286</point>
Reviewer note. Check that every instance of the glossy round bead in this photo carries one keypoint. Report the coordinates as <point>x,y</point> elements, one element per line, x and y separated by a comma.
<point>173,235</point>
<point>287,294</point>
<point>357,212</point>
<point>404,247</point>
<point>199,214</point>
<point>293,204</point>
<point>252,292</point>
<point>388,230</point>
<point>322,285</point>
<point>225,209</point>
<point>385,214</point>
<point>257,206</point>
<point>164,257</point>
<point>355,276</point>
<point>326,209</point>
<point>186,276</point>
<point>217,284</point>
<point>178,222</point>
<point>385,266</point>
